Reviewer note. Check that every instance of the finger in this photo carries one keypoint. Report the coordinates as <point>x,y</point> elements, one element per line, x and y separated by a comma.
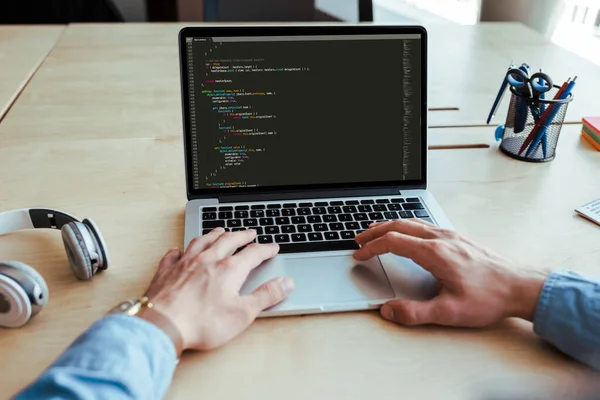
<point>252,256</point>
<point>391,242</point>
<point>269,294</point>
<point>422,221</point>
<point>170,258</point>
<point>227,243</point>
<point>404,226</point>
<point>410,312</point>
<point>203,242</point>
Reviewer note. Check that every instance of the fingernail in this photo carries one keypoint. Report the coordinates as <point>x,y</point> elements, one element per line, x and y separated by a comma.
<point>287,284</point>
<point>387,312</point>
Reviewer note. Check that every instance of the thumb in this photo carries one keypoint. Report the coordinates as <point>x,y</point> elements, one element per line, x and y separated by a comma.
<point>270,294</point>
<point>170,258</point>
<point>410,312</point>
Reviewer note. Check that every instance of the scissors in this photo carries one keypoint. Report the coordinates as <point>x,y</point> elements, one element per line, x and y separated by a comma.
<point>530,86</point>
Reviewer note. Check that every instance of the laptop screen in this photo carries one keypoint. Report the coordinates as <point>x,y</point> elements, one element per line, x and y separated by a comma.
<point>306,110</point>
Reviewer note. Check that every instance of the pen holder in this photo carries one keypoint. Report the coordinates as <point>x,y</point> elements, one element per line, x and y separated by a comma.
<point>533,126</point>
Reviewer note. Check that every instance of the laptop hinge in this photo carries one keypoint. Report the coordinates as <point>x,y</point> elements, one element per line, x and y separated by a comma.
<point>312,194</point>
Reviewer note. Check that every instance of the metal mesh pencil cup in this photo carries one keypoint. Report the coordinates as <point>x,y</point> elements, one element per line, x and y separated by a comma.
<point>529,135</point>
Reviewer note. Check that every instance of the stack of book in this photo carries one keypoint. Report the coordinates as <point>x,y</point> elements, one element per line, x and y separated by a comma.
<point>591,131</point>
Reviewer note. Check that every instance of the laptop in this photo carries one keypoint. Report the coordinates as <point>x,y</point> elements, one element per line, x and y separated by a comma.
<point>308,134</point>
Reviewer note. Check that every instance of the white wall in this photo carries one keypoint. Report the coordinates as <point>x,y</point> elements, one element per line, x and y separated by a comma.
<point>132,10</point>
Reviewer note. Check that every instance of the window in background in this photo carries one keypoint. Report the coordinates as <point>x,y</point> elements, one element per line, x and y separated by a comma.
<point>463,12</point>
<point>578,29</point>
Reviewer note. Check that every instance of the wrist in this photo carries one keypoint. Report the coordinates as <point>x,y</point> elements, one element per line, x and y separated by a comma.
<point>526,288</point>
<point>164,323</point>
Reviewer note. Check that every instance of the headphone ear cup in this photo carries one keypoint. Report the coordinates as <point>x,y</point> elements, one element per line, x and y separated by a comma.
<point>101,248</point>
<point>32,273</point>
<point>77,250</point>
<point>23,290</point>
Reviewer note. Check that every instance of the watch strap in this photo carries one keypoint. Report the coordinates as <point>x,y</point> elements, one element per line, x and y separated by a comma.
<point>150,314</point>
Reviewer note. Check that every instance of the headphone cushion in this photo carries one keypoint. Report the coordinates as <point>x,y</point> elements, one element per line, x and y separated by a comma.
<point>33,274</point>
<point>77,252</point>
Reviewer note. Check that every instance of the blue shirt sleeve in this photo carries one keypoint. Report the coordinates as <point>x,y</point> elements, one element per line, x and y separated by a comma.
<point>118,357</point>
<point>568,315</point>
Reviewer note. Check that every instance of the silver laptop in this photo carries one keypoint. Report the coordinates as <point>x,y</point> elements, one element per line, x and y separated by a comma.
<point>308,134</point>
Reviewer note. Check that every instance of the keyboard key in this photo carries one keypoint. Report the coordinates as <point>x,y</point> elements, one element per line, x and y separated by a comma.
<point>390,215</point>
<point>375,215</point>
<point>304,228</point>
<point>209,215</point>
<point>288,229</point>
<point>282,238</point>
<point>382,201</point>
<point>368,201</point>
<point>288,212</point>
<point>233,223</point>
<point>345,217</point>
<point>265,239</point>
<point>258,207</point>
<point>209,209</point>
<point>271,206</point>
<point>394,207</point>
<point>364,208</point>
<point>397,200</point>
<point>237,229</point>
<point>428,220</point>
<point>317,246</point>
<point>421,213</point>
<point>271,230</point>
<point>315,236</point>
<point>360,217</point>
<point>319,210</point>
<point>289,205</point>
<point>331,236</point>
<point>225,208</point>
<point>347,235</point>
<point>298,237</point>
<point>298,220</point>
<point>329,218</point>
<point>251,222</point>
<point>406,214</point>
<point>351,202</point>
<point>360,231</point>
<point>225,215</point>
<point>336,203</point>
<point>349,209</point>
<point>273,213</point>
<point>321,204</point>
<point>313,219</point>
<point>334,210</point>
<point>241,214</point>
<point>336,226</point>
<point>305,205</point>
<point>379,207</point>
<point>413,200</point>
<point>352,225</point>
<point>282,220</point>
<point>413,206</point>
<point>304,211</point>
<point>242,207</point>
<point>266,221</point>
<point>320,227</point>
<point>257,213</point>
<point>213,224</point>
<point>365,224</point>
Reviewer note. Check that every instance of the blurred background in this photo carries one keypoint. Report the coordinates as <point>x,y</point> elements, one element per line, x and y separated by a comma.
<point>572,24</point>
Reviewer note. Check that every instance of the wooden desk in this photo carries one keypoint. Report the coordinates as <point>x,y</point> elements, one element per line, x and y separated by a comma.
<point>108,146</point>
<point>22,50</point>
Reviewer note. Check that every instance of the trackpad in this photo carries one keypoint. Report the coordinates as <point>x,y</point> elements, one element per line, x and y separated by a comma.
<point>322,281</point>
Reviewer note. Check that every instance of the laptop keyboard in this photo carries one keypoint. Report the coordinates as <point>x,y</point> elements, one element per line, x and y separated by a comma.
<point>311,225</point>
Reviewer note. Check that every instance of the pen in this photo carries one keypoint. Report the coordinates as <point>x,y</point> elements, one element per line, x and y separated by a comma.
<point>499,96</point>
<point>544,116</point>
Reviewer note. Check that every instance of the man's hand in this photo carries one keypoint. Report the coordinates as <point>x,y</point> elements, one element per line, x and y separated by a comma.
<point>476,286</point>
<point>199,290</point>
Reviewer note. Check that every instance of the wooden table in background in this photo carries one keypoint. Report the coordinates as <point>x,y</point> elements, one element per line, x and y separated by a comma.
<point>22,49</point>
<point>106,143</point>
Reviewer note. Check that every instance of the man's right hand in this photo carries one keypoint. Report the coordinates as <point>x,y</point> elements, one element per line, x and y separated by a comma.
<point>477,287</point>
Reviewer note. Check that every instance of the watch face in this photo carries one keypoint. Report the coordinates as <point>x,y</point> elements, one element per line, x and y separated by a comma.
<point>123,307</point>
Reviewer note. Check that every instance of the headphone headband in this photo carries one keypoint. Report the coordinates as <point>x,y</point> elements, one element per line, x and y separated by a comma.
<point>33,218</point>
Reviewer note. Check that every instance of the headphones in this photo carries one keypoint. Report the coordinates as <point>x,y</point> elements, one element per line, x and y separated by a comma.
<point>23,291</point>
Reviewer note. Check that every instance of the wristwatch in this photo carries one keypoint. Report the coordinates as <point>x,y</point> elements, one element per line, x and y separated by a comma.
<point>142,307</point>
